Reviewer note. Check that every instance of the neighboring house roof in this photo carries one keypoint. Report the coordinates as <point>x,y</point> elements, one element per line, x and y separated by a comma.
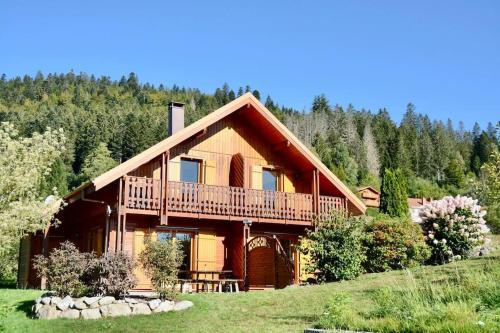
<point>368,188</point>
<point>417,202</point>
<point>247,99</point>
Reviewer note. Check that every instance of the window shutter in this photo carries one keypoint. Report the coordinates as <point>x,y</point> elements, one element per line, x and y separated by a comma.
<point>174,169</point>
<point>207,253</point>
<point>210,172</point>
<point>143,282</point>
<point>257,177</point>
<point>287,184</point>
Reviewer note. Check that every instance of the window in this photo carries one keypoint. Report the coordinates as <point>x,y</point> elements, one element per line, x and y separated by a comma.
<point>269,180</point>
<point>184,241</point>
<point>190,170</point>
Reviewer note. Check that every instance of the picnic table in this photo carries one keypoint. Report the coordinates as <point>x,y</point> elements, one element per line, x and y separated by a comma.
<point>219,280</point>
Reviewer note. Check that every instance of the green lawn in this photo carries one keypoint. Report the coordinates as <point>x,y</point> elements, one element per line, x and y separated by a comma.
<point>288,310</point>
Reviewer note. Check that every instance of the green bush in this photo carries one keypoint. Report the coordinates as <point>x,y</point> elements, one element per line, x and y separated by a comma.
<point>335,248</point>
<point>393,243</point>
<point>64,269</point>
<point>161,261</point>
<point>394,194</point>
<point>112,274</point>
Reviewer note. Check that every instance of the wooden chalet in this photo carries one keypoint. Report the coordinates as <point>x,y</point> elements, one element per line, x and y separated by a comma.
<point>235,188</point>
<point>370,196</point>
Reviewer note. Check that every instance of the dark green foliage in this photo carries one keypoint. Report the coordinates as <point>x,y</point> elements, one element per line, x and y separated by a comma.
<point>394,194</point>
<point>336,249</point>
<point>394,243</point>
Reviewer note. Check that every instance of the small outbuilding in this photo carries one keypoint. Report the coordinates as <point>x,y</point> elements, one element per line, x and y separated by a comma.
<point>370,196</point>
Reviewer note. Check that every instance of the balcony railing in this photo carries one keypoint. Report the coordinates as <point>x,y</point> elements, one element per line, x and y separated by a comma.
<point>143,194</point>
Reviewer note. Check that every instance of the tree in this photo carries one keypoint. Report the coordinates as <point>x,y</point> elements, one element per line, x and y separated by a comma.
<point>372,160</point>
<point>393,197</point>
<point>24,163</point>
<point>97,162</point>
<point>321,104</point>
<point>256,93</point>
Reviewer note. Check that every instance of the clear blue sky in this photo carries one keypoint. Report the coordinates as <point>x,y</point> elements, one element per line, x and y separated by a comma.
<point>444,56</point>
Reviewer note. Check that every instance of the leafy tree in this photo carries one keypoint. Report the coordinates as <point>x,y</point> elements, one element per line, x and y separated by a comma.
<point>393,197</point>
<point>24,163</point>
<point>97,162</point>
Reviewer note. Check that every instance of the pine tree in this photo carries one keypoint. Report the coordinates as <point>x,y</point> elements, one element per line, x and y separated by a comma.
<point>321,104</point>
<point>371,150</point>
<point>97,162</point>
<point>256,93</point>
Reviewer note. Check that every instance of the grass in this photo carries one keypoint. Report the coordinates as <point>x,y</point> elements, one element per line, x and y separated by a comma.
<point>448,298</point>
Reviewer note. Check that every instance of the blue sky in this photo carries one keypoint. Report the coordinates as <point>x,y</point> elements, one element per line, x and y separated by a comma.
<point>443,56</point>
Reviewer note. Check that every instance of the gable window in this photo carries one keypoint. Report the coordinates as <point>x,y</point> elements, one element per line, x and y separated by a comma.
<point>269,180</point>
<point>190,170</point>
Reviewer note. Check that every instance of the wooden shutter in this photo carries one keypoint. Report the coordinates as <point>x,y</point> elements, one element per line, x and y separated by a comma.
<point>174,169</point>
<point>143,281</point>
<point>207,253</point>
<point>98,243</point>
<point>210,176</point>
<point>257,177</point>
<point>287,184</point>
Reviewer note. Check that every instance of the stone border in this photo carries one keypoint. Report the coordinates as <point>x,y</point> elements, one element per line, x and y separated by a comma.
<point>52,307</point>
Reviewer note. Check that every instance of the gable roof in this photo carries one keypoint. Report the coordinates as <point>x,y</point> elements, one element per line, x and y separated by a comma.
<point>246,100</point>
<point>368,188</point>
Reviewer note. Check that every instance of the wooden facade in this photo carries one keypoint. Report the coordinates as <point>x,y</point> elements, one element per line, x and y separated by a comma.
<point>256,190</point>
<point>370,196</point>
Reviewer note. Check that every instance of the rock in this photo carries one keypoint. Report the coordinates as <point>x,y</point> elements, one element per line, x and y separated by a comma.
<point>91,314</point>
<point>48,312</point>
<point>45,300</point>
<point>65,303</point>
<point>94,305</point>
<point>130,300</point>
<point>164,306</point>
<point>80,305</point>
<point>36,307</point>
<point>153,304</point>
<point>115,310</point>
<point>106,300</point>
<point>91,300</point>
<point>71,314</point>
<point>55,300</point>
<point>38,300</point>
<point>183,305</point>
<point>141,308</point>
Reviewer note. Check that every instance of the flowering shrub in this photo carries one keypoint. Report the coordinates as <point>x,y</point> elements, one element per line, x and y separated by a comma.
<point>453,227</point>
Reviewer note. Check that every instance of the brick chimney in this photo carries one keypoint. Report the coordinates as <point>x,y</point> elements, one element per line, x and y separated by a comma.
<point>175,117</point>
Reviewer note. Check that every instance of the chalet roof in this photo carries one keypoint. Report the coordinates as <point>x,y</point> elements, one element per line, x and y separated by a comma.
<point>418,202</point>
<point>368,188</point>
<point>246,100</point>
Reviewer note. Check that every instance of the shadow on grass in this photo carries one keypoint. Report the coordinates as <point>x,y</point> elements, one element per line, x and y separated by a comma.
<point>25,307</point>
<point>7,284</point>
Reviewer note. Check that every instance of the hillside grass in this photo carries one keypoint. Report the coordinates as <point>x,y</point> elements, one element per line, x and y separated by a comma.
<point>378,302</point>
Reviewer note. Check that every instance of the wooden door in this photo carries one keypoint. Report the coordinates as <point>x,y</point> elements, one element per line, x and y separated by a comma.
<point>143,281</point>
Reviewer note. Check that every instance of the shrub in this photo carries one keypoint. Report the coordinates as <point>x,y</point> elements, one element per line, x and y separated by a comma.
<point>453,227</point>
<point>64,269</point>
<point>335,247</point>
<point>161,261</point>
<point>393,243</point>
<point>112,274</point>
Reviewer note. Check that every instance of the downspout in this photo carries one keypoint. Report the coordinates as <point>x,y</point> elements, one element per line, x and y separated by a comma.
<point>108,215</point>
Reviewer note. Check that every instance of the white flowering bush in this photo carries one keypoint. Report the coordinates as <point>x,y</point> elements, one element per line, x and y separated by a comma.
<point>454,228</point>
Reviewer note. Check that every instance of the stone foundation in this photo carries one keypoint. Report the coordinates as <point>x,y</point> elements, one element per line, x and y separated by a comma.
<point>52,307</point>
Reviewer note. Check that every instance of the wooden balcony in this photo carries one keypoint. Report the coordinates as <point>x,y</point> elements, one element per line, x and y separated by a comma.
<point>143,196</point>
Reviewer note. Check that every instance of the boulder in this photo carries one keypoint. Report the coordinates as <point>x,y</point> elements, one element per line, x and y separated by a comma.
<point>45,300</point>
<point>131,300</point>
<point>70,313</point>
<point>182,305</point>
<point>55,300</point>
<point>91,314</point>
<point>153,304</point>
<point>48,312</point>
<point>115,310</point>
<point>38,300</point>
<point>106,300</point>
<point>80,305</point>
<point>164,306</point>
<point>65,303</point>
<point>36,307</point>
<point>91,300</point>
<point>141,308</point>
